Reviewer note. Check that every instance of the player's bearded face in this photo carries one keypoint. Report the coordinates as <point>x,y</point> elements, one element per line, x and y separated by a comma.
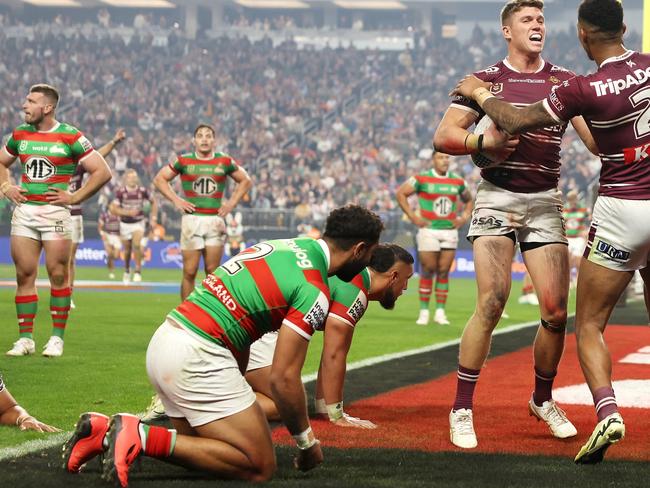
<point>389,299</point>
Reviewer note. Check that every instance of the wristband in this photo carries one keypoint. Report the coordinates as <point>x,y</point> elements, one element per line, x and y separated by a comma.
<point>473,140</point>
<point>303,440</point>
<point>335,411</point>
<point>480,143</point>
<point>4,186</point>
<point>481,95</point>
<point>23,418</point>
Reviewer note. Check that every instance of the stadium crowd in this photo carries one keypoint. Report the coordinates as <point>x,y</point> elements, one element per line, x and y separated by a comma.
<point>261,98</point>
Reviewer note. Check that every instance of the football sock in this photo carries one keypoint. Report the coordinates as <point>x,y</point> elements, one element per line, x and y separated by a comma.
<point>60,309</point>
<point>543,386</point>
<point>26,306</point>
<point>467,379</point>
<point>442,289</point>
<point>605,402</point>
<point>157,441</point>
<point>425,292</point>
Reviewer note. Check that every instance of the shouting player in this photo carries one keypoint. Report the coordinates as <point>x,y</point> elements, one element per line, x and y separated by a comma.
<point>197,357</point>
<point>517,201</point>
<point>49,151</point>
<point>203,177</point>
<point>614,102</point>
<point>438,192</point>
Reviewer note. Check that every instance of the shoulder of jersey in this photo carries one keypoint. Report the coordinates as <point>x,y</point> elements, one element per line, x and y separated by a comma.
<point>25,127</point>
<point>455,176</point>
<point>560,71</point>
<point>491,72</point>
<point>67,128</point>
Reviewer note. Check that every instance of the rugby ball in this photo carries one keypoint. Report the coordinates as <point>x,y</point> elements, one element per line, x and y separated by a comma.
<point>486,159</point>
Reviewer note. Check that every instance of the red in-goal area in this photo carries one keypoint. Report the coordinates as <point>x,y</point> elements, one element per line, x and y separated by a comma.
<point>416,417</point>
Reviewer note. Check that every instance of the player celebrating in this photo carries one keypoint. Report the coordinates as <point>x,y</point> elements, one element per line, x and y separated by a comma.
<point>438,191</point>
<point>203,177</point>
<point>76,211</point>
<point>517,201</point>
<point>196,358</point>
<point>576,222</point>
<point>129,205</point>
<point>49,151</point>
<point>614,102</point>
<point>384,280</point>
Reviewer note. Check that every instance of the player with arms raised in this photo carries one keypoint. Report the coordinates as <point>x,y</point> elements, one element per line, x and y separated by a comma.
<point>49,152</point>
<point>615,102</point>
<point>203,176</point>
<point>517,201</point>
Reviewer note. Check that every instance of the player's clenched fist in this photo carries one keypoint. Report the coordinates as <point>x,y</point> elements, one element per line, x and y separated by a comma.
<point>308,458</point>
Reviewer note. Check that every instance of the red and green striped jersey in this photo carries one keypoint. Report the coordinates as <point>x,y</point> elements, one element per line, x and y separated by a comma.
<point>258,290</point>
<point>438,197</point>
<point>576,221</point>
<point>204,180</point>
<point>349,301</point>
<point>48,159</point>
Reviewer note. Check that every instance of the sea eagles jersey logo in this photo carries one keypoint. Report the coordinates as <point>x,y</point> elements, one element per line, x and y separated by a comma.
<point>204,186</point>
<point>496,88</point>
<point>39,168</point>
<point>317,313</point>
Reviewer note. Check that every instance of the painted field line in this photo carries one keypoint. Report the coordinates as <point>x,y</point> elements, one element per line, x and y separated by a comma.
<point>57,439</point>
<point>412,352</point>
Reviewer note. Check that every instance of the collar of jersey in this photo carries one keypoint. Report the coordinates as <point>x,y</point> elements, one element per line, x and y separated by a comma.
<point>438,175</point>
<point>613,59</point>
<point>511,67</point>
<point>56,126</point>
<point>326,251</point>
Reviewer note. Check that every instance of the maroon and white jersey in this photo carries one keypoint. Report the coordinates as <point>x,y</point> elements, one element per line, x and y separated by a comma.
<point>133,198</point>
<point>75,183</point>
<point>615,103</point>
<point>535,165</point>
<point>110,222</point>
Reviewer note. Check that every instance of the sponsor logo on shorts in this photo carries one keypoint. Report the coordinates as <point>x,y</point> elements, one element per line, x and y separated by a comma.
<point>487,222</point>
<point>608,251</point>
<point>317,313</point>
<point>58,226</point>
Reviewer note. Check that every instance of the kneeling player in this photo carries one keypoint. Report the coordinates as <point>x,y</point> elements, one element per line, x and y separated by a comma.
<point>197,357</point>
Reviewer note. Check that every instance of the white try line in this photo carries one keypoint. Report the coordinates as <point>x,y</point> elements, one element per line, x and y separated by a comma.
<point>59,438</point>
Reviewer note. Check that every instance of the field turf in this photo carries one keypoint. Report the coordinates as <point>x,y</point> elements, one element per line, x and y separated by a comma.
<point>102,369</point>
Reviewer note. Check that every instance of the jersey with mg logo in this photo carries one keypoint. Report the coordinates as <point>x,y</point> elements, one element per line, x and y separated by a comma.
<point>438,197</point>
<point>349,301</point>
<point>204,180</point>
<point>48,159</point>
<point>257,291</point>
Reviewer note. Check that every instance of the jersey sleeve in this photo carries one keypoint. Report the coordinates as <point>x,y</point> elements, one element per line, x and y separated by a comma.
<point>468,104</point>
<point>413,181</point>
<point>176,166</point>
<point>308,311</point>
<point>232,166</point>
<point>348,303</point>
<point>81,147</point>
<point>566,100</point>
<point>12,146</point>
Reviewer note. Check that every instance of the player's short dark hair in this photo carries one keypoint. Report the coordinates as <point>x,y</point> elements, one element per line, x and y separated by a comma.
<point>349,225</point>
<point>514,6</point>
<point>48,90</point>
<point>604,15</point>
<point>386,255</point>
<point>204,126</point>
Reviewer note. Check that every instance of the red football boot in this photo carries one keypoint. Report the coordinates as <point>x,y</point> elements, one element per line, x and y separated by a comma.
<point>123,448</point>
<point>86,441</point>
